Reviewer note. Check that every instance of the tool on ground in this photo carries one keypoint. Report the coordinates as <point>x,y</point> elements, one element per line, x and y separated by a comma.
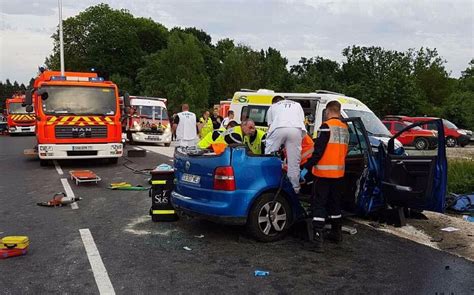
<point>162,184</point>
<point>80,176</point>
<point>58,200</point>
<point>126,187</point>
<point>12,246</point>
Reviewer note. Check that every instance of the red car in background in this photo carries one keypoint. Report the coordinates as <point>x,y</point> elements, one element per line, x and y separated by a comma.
<point>419,138</point>
<point>454,135</point>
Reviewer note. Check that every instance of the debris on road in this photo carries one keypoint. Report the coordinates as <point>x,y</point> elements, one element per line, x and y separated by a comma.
<point>349,229</point>
<point>450,229</point>
<point>58,200</point>
<point>261,273</point>
<point>127,187</point>
<point>436,240</point>
<point>468,218</point>
<point>460,203</point>
<point>199,237</point>
<point>187,248</point>
<point>84,176</point>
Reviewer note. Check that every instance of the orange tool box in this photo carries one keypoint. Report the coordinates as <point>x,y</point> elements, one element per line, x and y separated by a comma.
<point>84,176</point>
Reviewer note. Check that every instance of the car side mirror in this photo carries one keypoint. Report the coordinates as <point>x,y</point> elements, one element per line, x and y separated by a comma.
<point>43,93</point>
<point>126,99</point>
<point>28,98</point>
<point>29,108</point>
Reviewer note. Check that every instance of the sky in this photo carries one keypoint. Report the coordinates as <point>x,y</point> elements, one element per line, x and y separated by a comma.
<point>295,27</point>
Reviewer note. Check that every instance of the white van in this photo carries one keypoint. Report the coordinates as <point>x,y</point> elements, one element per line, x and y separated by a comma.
<point>254,105</point>
<point>148,121</point>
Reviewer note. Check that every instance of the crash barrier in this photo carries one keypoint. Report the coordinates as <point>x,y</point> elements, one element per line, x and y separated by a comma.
<point>162,183</point>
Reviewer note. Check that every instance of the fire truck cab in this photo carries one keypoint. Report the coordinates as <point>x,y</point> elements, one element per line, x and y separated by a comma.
<point>147,121</point>
<point>19,121</point>
<point>78,116</point>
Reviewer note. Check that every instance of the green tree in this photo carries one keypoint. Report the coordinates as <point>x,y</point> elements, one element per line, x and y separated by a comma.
<point>316,73</point>
<point>382,79</point>
<point>110,41</point>
<point>178,73</point>
<point>274,74</point>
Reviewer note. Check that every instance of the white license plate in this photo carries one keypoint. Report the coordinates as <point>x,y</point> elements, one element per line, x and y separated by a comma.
<point>82,148</point>
<point>153,138</point>
<point>191,178</point>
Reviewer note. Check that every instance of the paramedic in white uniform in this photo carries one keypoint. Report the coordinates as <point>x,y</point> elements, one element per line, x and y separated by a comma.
<point>184,125</point>
<point>286,127</point>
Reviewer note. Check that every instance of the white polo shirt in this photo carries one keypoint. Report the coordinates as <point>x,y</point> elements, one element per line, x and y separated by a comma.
<point>284,114</point>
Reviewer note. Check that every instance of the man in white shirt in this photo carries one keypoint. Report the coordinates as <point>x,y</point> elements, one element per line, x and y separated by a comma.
<point>184,124</point>
<point>230,117</point>
<point>286,127</point>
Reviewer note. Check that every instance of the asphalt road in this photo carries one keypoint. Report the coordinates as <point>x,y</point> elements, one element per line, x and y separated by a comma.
<point>141,257</point>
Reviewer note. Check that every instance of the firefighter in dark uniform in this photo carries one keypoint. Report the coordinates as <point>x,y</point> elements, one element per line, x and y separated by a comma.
<point>327,165</point>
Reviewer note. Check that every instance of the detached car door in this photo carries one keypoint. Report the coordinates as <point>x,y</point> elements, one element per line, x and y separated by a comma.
<point>416,178</point>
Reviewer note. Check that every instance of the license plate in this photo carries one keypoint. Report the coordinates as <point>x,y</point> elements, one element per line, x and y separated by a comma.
<point>153,138</point>
<point>191,178</point>
<point>82,148</point>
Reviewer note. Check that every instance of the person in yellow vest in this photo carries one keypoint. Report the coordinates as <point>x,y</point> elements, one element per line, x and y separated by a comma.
<point>249,135</point>
<point>205,124</point>
<point>216,136</point>
<point>327,164</point>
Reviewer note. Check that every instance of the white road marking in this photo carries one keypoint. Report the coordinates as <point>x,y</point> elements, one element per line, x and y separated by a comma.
<point>69,192</point>
<point>98,268</point>
<point>58,168</point>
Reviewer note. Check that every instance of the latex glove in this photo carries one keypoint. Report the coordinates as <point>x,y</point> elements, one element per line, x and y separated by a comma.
<point>303,173</point>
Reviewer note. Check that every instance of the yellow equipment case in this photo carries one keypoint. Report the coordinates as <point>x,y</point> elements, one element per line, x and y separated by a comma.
<point>14,242</point>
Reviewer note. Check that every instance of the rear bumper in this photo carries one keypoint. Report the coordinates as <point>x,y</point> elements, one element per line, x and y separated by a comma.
<point>79,151</point>
<point>151,138</point>
<point>21,129</point>
<point>226,211</point>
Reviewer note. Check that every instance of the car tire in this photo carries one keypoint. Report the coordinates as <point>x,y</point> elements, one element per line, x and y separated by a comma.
<point>269,220</point>
<point>450,141</point>
<point>421,143</point>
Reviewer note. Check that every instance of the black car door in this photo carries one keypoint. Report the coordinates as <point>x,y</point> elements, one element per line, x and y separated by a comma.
<point>416,178</point>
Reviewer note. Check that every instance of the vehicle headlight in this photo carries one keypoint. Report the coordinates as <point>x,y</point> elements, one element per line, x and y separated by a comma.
<point>463,132</point>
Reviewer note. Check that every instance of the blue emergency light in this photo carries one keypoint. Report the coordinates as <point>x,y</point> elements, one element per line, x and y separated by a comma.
<point>96,79</point>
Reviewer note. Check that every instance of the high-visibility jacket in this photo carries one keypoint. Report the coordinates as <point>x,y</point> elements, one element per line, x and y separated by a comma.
<point>207,127</point>
<point>307,149</point>
<point>235,135</point>
<point>255,142</point>
<point>211,138</point>
<point>332,163</point>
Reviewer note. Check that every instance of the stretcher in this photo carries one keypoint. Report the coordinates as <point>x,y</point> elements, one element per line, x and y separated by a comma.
<point>80,176</point>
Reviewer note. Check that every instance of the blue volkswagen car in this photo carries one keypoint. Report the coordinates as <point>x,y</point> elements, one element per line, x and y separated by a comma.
<point>237,187</point>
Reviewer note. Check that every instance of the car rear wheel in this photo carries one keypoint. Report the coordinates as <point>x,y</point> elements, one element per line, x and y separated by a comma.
<point>269,219</point>
<point>451,141</point>
<point>421,143</point>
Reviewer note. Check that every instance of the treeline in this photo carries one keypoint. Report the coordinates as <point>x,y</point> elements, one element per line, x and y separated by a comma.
<point>183,64</point>
<point>7,90</point>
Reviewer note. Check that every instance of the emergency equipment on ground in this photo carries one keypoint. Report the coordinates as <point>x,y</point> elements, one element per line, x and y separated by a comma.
<point>12,246</point>
<point>80,176</point>
<point>162,183</point>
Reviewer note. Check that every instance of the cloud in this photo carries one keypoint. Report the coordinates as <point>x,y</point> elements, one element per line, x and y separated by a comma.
<point>295,27</point>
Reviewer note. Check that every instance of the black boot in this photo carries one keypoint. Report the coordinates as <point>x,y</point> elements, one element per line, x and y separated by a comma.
<point>336,231</point>
<point>317,240</point>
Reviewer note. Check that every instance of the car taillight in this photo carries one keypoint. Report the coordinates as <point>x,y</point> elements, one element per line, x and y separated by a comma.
<point>224,179</point>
